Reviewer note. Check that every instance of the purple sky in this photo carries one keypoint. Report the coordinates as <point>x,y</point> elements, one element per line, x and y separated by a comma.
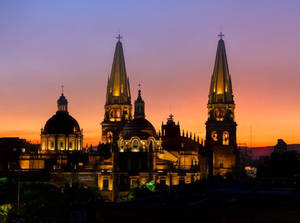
<point>169,47</point>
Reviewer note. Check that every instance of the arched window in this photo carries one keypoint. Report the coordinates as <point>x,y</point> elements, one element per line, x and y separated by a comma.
<point>225,138</point>
<point>109,137</point>
<point>118,113</point>
<point>51,145</point>
<point>214,136</point>
<point>122,145</point>
<point>135,145</point>
<point>112,115</point>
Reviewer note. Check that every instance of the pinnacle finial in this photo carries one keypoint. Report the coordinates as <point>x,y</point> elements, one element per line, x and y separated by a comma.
<point>119,37</point>
<point>62,88</point>
<point>139,91</point>
<point>221,35</point>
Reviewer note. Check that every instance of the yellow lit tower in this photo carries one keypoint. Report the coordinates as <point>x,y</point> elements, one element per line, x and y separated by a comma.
<point>118,99</point>
<point>221,126</point>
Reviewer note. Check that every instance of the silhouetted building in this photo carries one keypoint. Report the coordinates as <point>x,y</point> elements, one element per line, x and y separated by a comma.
<point>171,134</point>
<point>10,150</point>
<point>280,147</point>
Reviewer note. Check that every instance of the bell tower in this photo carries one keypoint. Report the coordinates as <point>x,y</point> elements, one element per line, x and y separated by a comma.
<point>221,126</point>
<point>118,99</point>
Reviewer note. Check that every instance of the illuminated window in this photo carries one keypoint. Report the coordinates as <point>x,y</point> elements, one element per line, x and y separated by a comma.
<point>52,145</point>
<point>70,145</point>
<point>112,114</point>
<point>219,114</point>
<point>135,145</point>
<point>225,138</point>
<point>109,136</point>
<point>61,145</point>
<point>118,113</point>
<point>122,146</point>
<point>214,136</point>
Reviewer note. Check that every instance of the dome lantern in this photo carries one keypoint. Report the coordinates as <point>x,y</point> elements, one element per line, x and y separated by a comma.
<point>62,102</point>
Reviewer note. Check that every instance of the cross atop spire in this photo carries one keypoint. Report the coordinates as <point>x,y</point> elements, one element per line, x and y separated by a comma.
<point>119,37</point>
<point>221,35</point>
<point>139,86</point>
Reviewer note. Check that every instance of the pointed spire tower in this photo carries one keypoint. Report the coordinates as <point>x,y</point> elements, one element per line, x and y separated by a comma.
<point>220,126</point>
<point>118,90</point>
<point>220,87</point>
<point>139,106</point>
<point>118,98</point>
<point>220,100</point>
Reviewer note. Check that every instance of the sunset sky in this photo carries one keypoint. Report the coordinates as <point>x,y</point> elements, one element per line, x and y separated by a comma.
<point>169,48</point>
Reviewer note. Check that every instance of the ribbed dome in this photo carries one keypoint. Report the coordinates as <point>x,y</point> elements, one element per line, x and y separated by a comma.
<point>61,123</point>
<point>140,127</point>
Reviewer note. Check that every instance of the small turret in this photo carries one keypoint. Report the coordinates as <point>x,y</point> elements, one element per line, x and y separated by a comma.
<point>62,102</point>
<point>139,106</point>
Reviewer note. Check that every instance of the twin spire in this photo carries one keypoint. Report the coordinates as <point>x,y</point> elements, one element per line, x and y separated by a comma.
<point>220,87</point>
<point>118,90</point>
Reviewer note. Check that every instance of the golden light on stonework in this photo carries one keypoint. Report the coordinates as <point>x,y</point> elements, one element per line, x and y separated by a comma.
<point>220,91</point>
<point>214,136</point>
<point>225,138</point>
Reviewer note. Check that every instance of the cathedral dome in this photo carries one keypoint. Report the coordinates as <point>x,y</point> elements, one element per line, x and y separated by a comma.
<point>61,132</point>
<point>61,123</point>
<point>140,127</point>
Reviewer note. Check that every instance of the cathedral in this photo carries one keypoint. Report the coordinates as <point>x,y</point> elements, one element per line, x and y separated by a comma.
<point>170,157</point>
<point>132,152</point>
